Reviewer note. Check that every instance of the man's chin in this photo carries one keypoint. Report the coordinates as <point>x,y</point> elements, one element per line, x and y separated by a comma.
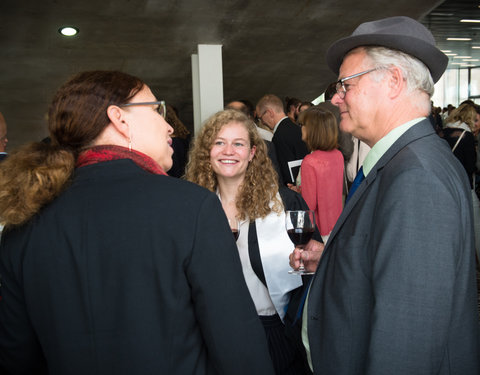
<point>345,126</point>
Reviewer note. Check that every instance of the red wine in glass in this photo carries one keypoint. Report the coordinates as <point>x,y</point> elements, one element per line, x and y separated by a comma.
<point>300,236</point>
<point>300,226</point>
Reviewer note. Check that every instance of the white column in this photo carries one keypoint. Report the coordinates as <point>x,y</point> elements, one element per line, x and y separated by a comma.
<point>207,83</point>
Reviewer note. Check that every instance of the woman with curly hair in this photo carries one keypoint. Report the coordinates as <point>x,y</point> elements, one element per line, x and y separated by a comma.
<point>229,157</point>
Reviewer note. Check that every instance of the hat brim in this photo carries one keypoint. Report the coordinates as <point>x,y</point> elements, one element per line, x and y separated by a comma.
<point>432,57</point>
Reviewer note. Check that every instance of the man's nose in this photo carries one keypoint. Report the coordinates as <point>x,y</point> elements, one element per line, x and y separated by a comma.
<point>336,99</point>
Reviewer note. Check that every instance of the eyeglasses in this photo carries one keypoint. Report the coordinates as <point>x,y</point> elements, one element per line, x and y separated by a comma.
<point>340,87</point>
<point>161,109</point>
<point>263,114</point>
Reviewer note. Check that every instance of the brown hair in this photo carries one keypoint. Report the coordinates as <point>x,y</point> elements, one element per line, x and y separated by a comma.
<point>38,172</point>
<point>179,129</point>
<point>466,113</point>
<point>260,186</point>
<point>321,129</point>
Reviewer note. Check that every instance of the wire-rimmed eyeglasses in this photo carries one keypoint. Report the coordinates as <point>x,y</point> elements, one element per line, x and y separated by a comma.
<point>340,87</point>
<point>161,109</point>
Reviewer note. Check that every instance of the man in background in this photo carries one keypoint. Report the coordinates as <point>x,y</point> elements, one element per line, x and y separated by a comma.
<point>287,136</point>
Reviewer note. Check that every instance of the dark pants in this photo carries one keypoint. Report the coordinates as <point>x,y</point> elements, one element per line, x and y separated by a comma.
<point>286,357</point>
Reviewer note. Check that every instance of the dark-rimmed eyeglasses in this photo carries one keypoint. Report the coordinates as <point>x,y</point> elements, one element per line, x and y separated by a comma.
<point>340,87</point>
<point>260,118</point>
<point>161,109</point>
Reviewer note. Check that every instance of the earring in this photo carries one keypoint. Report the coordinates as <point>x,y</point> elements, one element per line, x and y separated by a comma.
<point>129,144</point>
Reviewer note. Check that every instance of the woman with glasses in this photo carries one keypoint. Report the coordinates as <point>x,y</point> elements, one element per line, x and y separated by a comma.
<point>109,266</point>
<point>229,157</point>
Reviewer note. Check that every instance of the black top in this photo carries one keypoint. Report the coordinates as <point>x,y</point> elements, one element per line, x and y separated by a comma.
<point>465,150</point>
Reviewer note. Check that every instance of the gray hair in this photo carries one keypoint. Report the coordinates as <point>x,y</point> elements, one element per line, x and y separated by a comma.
<point>416,73</point>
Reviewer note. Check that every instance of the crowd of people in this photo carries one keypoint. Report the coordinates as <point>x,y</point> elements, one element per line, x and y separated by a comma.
<point>118,256</point>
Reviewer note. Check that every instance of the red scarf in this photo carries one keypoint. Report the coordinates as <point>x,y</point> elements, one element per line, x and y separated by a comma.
<point>98,154</point>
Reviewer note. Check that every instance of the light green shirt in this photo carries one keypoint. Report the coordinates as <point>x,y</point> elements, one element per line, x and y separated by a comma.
<point>382,146</point>
<point>373,156</point>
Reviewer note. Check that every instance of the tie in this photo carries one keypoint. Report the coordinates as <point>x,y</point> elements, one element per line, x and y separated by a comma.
<point>356,183</point>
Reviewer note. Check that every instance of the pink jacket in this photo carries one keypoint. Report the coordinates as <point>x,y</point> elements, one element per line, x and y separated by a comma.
<point>322,187</point>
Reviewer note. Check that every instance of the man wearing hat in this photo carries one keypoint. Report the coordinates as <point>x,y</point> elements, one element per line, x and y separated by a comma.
<point>395,290</point>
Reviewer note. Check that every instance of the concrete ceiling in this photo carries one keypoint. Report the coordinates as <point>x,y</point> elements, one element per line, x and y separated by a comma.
<point>268,47</point>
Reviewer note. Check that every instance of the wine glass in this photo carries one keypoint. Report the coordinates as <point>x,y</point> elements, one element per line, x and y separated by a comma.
<point>300,227</point>
<point>234,226</point>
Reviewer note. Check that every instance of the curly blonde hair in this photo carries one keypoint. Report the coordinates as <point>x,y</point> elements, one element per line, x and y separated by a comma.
<point>260,185</point>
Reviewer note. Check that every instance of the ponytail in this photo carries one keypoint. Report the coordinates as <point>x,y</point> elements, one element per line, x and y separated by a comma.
<point>32,177</point>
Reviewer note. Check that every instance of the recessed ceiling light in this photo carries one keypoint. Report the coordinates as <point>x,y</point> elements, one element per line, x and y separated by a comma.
<point>460,39</point>
<point>471,60</point>
<point>475,47</point>
<point>451,54</point>
<point>462,57</point>
<point>445,50</point>
<point>68,30</point>
<point>470,21</point>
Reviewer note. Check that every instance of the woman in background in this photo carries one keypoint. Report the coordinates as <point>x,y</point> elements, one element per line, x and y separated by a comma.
<point>180,143</point>
<point>458,133</point>
<point>229,157</point>
<point>321,171</point>
<point>108,265</point>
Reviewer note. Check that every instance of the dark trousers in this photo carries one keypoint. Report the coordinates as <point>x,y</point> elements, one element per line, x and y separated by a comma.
<point>286,355</point>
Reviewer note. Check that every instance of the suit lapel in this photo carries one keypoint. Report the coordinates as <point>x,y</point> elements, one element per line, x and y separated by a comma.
<point>422,129</point>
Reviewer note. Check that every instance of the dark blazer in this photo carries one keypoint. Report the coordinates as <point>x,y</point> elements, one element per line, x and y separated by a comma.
<point>395,290</point>
<point>127,272</point>
<point>289,146</point>
<point>272,154</point>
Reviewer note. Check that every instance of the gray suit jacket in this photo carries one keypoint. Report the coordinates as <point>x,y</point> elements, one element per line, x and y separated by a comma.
<point>395,292</point>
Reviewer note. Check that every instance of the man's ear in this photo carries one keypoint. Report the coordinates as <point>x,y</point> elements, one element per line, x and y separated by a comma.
<point>117,119</point>
<point>396,82</point>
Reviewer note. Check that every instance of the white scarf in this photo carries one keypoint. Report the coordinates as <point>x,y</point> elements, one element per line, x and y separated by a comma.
<point>459,125</point>
<point>275,247</point>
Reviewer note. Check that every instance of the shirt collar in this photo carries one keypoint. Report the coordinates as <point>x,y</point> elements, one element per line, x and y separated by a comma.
<point>278,123</point>
<point>382,146</point>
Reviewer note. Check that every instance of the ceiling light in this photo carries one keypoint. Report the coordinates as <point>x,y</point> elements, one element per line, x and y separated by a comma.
<point>445,50</point>
<point>451,54</point>
<point>471,60</point>
<point>470,21</point>
<point>462,57</point>
<point>68,31</point>
<point>460,39</point>
<point>476,47</point>
<point>443,14</point>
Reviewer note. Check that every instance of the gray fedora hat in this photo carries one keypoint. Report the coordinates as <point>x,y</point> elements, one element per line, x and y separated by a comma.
<point>400,33</point>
